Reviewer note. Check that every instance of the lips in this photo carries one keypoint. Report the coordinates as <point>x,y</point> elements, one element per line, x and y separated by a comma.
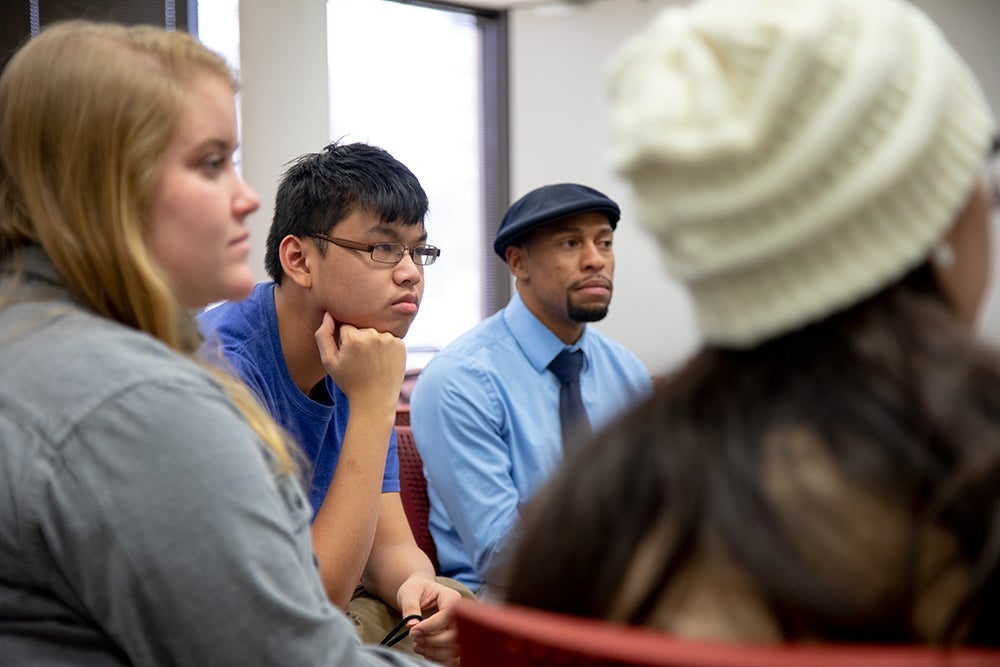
<point>406,303</point>
<point>407,298</point>
<point>241,239</point>
<point>593,284</point>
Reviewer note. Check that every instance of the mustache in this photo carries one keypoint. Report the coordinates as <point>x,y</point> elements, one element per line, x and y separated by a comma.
<point>602,281</point>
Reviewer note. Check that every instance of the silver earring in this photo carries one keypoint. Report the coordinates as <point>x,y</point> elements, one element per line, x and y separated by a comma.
<point>943,255</point>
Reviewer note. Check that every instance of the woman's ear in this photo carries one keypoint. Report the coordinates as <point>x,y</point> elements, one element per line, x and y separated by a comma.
<point>964,257</point>
<point>296,258</point>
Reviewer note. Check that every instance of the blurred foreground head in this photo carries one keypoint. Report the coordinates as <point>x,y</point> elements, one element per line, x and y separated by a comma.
<point>88,112</point>
<point>794,157</point>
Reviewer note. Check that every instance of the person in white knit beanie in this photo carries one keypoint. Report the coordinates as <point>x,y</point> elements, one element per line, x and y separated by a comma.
<point>794,157</point>
<point>827,467</point>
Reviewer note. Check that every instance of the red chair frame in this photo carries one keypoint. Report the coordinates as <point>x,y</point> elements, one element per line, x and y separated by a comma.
<point>495,635</point>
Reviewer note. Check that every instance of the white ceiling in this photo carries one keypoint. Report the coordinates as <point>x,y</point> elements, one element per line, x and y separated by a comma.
<point>515,4</point>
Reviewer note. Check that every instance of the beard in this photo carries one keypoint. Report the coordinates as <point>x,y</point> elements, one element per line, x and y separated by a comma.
<point>586,313</point>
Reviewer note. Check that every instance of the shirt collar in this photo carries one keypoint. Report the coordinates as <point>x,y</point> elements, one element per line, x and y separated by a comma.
<point>32,260</point>
<point>536,340</point>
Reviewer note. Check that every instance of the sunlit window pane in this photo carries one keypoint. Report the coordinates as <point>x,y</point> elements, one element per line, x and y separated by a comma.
<point>219,30</point>
<point>407,78</point>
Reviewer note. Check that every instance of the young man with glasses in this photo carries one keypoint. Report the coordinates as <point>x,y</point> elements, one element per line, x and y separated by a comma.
<point>321,346</point>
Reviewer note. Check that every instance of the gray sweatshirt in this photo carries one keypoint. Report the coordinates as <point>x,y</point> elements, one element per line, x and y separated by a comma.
<point>139,521</point>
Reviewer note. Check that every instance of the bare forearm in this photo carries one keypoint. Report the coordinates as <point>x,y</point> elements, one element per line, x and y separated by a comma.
<point>389,567</point>
<point>344,528</point>
<point>395,556</point>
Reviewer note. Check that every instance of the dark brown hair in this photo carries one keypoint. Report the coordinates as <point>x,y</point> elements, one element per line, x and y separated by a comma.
<point>906,406</point>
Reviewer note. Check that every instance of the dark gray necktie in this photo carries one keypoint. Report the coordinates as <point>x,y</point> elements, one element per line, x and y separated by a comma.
<point>572,415</point>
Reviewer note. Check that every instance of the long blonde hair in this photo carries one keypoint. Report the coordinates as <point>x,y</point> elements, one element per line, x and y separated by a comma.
<point>87,112</point>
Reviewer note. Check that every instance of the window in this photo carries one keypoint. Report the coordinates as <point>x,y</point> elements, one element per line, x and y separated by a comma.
<point>218,28</point>
<point>426,82</point>
<point>21,19</point>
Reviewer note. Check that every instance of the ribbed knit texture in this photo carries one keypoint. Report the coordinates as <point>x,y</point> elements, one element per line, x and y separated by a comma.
<point>792,157</point>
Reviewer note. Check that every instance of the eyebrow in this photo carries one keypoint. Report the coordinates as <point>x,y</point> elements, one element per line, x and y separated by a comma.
<point>391,230</point>
<point>573,228</point>
<point>214,144</point>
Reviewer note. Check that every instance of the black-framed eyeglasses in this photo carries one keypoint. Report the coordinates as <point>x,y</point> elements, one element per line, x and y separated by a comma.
<point>388,253</point>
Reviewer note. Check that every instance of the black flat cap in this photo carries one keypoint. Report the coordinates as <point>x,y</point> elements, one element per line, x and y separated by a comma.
<point>546,204</point>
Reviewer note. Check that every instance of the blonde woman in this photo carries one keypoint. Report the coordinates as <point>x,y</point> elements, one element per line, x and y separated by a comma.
<point>150,512</point>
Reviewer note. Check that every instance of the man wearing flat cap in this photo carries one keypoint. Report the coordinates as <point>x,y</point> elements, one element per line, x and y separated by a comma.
<point>493,413</point>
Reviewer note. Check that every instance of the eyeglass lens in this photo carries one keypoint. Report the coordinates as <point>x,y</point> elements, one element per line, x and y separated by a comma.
<point>392,253</point>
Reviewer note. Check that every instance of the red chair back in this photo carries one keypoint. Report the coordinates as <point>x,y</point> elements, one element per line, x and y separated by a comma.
<point>413,489</point>
<point>496,635</point>
<point>403,415</point>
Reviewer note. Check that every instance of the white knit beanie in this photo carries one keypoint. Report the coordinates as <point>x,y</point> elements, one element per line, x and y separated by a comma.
<point>793,157</point>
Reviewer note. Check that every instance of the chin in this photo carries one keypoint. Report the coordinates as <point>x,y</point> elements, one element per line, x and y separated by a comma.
<point>236,292</point>
<point>593,313</point>
<point>401,330</point>
<point>240,287</point>
<point>398,332</point>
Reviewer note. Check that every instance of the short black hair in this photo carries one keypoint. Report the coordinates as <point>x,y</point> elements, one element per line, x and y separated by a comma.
<point>320,189</point>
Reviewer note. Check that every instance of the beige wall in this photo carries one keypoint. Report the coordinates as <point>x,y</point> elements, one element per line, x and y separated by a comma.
<point>284,99</point>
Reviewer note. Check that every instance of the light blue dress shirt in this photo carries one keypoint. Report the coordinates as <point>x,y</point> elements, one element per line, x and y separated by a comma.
<point>485,416</point>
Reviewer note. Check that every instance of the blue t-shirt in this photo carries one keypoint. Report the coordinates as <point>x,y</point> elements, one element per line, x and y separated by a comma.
<point>485,417</point>
<point>247,334</point>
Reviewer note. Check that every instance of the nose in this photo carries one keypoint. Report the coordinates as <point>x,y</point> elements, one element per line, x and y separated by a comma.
<point>408,271</point>
<point>593,256</point>
<point>246,200</point>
